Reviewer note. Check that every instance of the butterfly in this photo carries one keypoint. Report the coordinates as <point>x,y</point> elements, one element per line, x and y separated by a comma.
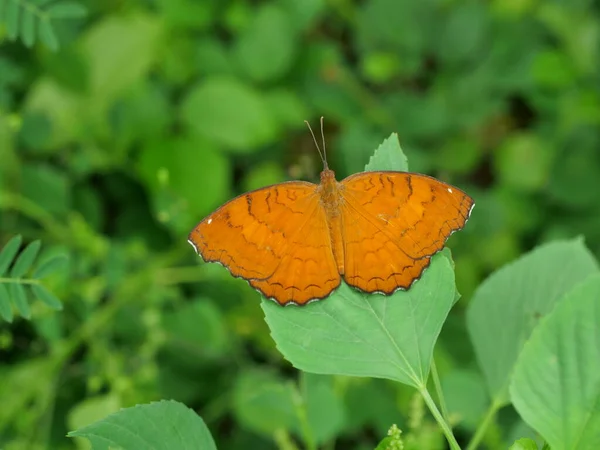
<point>295,241</point>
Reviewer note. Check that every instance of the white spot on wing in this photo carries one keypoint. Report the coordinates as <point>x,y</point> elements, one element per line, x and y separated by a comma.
<point>209,221</point>
<point>449,190</point>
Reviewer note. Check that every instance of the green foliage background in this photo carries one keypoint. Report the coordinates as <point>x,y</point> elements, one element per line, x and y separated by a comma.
<point>151,113</point>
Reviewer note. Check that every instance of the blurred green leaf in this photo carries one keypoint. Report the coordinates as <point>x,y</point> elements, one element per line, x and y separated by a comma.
<point>198,327</point>
<point>28,29</point>
<point>5,305</point>
<point>133,428</point>
<point>193,170</point>
<point>556,382</point>
<point>263,175</point>
<point>119,52</point>
<point>464,33</point>
<point>266,48</point>
<point>230,113</point>
<point>12,19</point>
<point>523,162</point>
<point>46,297</point>
<point>8,253</point>
<point>263,403</point>
<point>49,266</point>
<point>552,69</point>
<point>47,35</point>
<point>524,444</point>
<point>508,305</point>
<point>466,397</point>
<point>48,186</point>
<point>26,259</point>
<point>66,10</point>
<point>324,408</point>
<point>19,299</point>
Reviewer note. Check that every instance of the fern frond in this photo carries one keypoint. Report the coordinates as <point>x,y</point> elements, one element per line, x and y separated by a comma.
<point>15,285</point>
<point>33,19</point>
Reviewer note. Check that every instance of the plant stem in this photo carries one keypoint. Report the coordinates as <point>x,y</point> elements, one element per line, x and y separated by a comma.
<point>439,418</point>
<point>300,406</point>
<point>438,391</point>
<point>483,426</point>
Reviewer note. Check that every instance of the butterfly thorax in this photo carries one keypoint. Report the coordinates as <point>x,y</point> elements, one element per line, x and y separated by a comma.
<point>331,198</point>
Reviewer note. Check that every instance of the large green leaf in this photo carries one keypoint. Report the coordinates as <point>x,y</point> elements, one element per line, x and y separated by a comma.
<point>507,306</point>
<point>556,382</point>
<point>161,425</point>
<point>350,333</point>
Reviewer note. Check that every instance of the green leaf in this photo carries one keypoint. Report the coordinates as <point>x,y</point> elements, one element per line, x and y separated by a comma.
<point>466,397</point>
<point>46,296</point>
<point>12,19</point>
<point>351,333</point>
<point>49,266</point>
<point>508,305</point>
<point>28,28</point>
<point>25,259</point>
<point>264,403</point>
<point>67,10</point>
<point>388,156</point>
<point>230,113</point>
<point>556,382</point>
<point>162,425</point>
<point>8,253</point>
<point>170,159</point>
<point>47,35</point>
<point>199,327</point>
<point>119,52</point>
<point>524,444</point>
<point>267,48</point>
<point>19,299</point>
<point>5,306</point>
<point>324,408</point>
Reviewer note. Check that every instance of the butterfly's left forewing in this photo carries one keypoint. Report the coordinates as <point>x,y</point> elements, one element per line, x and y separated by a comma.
<point>393,222</point>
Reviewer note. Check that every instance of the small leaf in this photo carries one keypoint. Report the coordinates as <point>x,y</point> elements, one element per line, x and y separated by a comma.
<point>28,28</point>
<point>12,20</point>
<point>556,381</point>
<point>388,156</point>
<point>7,255</point>
<point>136,427</point>
<point>25,259</point>
<point>46,296</point>
<point>67,10</point>
<point>49,266</point>
<point>5,306</point>
<point>19,299</point>
<point>47,35</point>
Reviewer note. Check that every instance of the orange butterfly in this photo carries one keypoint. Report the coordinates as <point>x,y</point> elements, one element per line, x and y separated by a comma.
<point>295,241</point>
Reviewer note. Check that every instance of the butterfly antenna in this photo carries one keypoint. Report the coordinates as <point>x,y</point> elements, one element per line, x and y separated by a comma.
<point>316,144</point>
<point>324,149</point>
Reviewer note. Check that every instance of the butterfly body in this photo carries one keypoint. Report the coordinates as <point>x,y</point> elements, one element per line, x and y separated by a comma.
<point>295,241</point>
